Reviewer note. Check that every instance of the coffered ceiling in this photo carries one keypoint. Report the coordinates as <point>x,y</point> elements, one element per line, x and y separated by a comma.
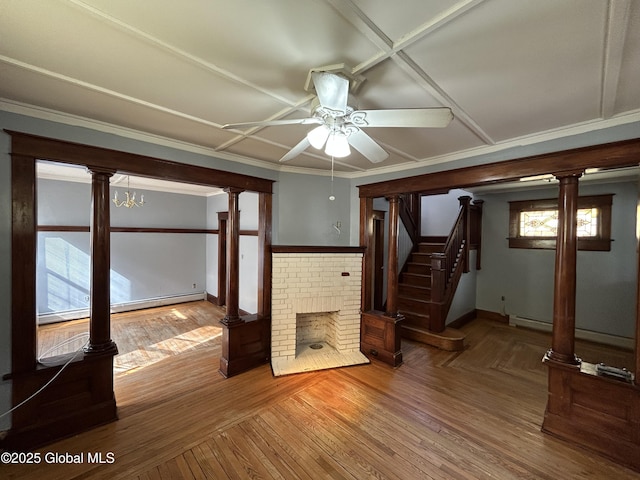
<point>513,71</point>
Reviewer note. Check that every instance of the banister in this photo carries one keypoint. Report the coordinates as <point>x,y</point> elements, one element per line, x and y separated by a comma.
<point>447,267</point>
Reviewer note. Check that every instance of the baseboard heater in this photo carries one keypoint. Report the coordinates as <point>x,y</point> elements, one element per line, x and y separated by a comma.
<point>589,335</point>
<point>121,307</point>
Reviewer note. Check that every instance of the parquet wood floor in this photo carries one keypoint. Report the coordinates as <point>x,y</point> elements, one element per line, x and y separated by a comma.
<point>474,414</point>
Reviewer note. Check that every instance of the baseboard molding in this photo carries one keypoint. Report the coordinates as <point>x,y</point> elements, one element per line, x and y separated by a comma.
<point>121,307</point>
<point>588,335</point>
<point>463,319</point>
<point>489,315</point>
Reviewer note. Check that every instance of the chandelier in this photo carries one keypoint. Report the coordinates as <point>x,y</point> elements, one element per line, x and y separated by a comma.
<point>130,199</point>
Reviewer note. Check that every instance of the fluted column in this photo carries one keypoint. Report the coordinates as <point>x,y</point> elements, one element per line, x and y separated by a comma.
<point>233,259</point>
<point>100,296</point>
<point>564,294</point>
<point>392,270</point>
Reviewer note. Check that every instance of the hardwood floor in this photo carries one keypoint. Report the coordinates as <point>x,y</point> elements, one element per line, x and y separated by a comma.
<point>441,415</point>
<point>144,336</point>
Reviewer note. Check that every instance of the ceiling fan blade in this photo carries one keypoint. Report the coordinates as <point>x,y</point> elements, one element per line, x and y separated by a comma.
<point>274,123</point>
<point>367,146</point>
<point>297,150</point>
<point>404,117</point>
<point>332,91</point>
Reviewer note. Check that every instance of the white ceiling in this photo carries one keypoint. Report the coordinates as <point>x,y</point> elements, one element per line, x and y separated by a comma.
<point>513,71</point>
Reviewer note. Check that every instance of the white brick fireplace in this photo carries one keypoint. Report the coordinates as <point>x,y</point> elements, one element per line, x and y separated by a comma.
<point>315,313</point>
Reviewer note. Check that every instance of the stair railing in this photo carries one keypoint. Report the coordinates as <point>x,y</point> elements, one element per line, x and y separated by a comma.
<point>447,266</point>
<point>410,215</point>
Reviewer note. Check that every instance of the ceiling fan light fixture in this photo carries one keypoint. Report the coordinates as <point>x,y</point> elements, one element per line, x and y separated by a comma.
<point>318,136</point>
<point>337,145</point>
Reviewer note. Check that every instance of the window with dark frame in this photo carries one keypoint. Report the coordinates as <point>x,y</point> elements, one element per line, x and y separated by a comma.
<point>533,223</point>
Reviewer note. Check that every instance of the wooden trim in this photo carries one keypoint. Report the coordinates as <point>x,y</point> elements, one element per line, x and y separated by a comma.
<point>366,241</point>
<point>601,242</point>
<point>315,249</point>
<point>463,319</point>
<point>549,243</point>
<point>212,299</point>
<point>495,316</point>
<point>56,412</point>
<point>222,257</point>
<point>380,337</point>
<point>264,257</point>
<point>130,163</point>
<point>609,155</point>
<point>433,239</point>
<point>82,228</point>
<point>23,266</point>
<point>392,257</point>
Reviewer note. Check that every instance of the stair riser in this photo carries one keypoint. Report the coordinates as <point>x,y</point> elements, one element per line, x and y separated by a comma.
<point>421,258</point>
<point>417,280</point>
<point>413,305</point>
<point>413,291</point>
<point>430,247</point>
<point>416,320</point>
<point>420,268</point>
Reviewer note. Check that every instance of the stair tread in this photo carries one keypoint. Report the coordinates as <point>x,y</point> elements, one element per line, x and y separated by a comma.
<point>417,314</point>
<point>413,299</point>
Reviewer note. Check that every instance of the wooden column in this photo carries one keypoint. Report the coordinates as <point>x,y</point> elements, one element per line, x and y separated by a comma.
<point>23,265</point>
<point>264,254</point>
<point>392,262</point>
<point>564,294</point>
<point>366,240</point>
<point>637,349</point>
<point>100,230</point>
<point>233,259</point>
<point>246,340</point>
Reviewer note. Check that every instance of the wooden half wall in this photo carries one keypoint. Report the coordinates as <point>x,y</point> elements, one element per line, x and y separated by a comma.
<point>82,397</point>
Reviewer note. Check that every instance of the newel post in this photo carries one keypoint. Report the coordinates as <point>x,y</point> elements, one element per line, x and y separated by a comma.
<point>465,204</point>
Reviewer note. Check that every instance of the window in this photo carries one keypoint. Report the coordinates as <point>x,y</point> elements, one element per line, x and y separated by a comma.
<point>534,223</point>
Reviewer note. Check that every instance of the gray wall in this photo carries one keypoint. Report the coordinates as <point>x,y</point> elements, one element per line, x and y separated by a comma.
<point>439,212</point>
<point>606,280</point>
<point>307,215</point>
<point>143,265</point>
<point>248,206</point>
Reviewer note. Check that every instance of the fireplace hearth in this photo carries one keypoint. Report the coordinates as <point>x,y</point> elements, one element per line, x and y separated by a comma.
<point>315,322</point>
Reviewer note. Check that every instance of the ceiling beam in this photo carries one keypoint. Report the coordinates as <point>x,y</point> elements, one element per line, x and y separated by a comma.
<point>616,33</point>
<point>610,155</point>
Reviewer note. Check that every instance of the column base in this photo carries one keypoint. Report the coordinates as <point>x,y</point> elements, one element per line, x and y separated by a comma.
<point>109,347</point>
<point>561,359</point>
<point>380,337</point>
<point>246,343</point>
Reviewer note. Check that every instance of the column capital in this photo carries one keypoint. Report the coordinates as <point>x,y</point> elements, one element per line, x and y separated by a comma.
<point>233,190</point>
<point>569,174</point>
<point>94,170</point>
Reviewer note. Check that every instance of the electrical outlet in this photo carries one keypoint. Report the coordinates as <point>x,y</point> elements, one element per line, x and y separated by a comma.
<point>502,298</point>
<point>194,285</point>
<point>87,298</point>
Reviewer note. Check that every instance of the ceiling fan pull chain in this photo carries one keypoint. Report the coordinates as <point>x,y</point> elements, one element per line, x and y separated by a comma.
<point>332,197</point>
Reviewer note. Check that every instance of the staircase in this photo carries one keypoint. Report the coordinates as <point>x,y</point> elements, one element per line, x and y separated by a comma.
<point>415,300</point>
<point>414,286</point>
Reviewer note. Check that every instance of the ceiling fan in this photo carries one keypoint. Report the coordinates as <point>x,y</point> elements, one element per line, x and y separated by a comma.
<point>340,125</point>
